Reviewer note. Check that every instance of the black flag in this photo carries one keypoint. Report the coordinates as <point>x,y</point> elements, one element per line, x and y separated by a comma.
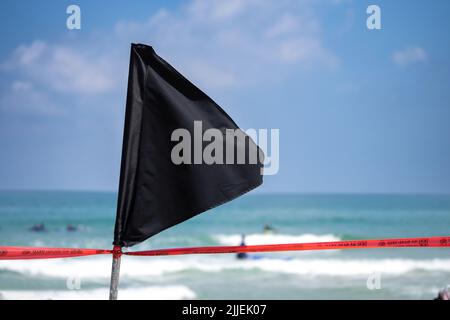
<point>156,191</point>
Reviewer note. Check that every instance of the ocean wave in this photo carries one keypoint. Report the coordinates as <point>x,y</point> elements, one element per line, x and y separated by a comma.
<point>141,268</point>
<point>261,238</point>
<point>350,268</point>
<point>175,292</point>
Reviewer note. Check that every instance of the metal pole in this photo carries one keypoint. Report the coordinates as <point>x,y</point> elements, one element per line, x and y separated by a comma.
<point>115,273</point>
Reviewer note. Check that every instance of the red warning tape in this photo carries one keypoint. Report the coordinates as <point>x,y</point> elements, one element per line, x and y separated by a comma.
<point>22,253</point>
<point>15,253</point>
<point>352,244</point>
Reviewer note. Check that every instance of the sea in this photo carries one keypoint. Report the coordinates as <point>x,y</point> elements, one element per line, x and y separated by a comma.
<point>416,273</point>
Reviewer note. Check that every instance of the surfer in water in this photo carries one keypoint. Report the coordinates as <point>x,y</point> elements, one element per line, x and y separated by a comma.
<point>71,228</point>
<point>40,227</point>
<point>268,229</point>
<point>444,294</point>
<point>242,255</point>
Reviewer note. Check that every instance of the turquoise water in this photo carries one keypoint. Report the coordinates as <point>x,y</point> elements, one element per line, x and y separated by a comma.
<point>402,273</point>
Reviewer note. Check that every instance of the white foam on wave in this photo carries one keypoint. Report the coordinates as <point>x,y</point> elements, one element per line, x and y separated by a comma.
<point>349,268</point>
<point>142,267</point>
<point>260,238</point>
<point>175,292</point>
<point>89,267</point>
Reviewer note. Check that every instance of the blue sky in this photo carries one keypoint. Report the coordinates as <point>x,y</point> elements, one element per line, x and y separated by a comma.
<point>358,110</point>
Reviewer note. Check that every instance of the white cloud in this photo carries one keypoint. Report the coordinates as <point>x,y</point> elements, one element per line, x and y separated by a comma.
<point>71,71</point>
<point>27,55</point>
<point>217,10</point>
<point>409,56</point>
<point>230,44</point>
<point>285,25</point>
<point>24,99</point>
<point>63,69</point>
<point>218,44</point>
<point>18,86</point>
<point>306,50</point>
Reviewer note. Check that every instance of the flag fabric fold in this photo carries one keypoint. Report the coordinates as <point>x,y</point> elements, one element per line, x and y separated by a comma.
<point>156,192</point>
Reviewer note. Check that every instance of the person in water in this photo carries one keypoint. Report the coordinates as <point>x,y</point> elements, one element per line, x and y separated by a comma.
<point>444,294</point>
<point>40,227</point>
<point>268,229</point>
<point>71,228</point>
<point>242,255</point>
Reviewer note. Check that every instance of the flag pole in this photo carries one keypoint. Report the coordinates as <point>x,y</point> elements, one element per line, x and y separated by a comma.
<point>115,272</point>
